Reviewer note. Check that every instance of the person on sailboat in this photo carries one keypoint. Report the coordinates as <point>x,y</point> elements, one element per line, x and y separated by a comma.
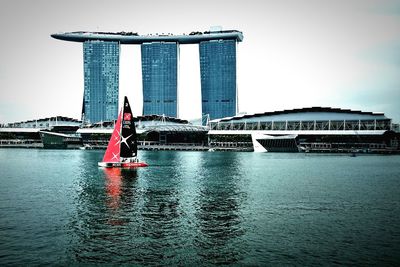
<point>133,159</point>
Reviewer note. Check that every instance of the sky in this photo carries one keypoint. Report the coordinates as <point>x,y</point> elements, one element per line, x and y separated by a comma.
<point>295,53</point>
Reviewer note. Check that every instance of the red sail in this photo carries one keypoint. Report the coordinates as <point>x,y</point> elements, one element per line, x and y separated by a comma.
<point>112,153</point>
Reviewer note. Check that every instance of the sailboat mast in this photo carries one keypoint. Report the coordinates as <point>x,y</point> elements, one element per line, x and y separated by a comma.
<point>121,114</point>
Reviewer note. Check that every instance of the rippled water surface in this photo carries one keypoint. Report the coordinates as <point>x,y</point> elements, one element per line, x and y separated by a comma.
<point>203,208</point>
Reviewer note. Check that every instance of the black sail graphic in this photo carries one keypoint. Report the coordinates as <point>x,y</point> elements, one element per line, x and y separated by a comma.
<point>128,133</point>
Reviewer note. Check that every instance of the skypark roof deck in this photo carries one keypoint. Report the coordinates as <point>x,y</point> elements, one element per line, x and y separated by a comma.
<point>135,38</point>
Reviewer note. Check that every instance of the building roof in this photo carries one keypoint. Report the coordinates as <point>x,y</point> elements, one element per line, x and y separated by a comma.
<point>135,38</point>
<point>48,119</point>
<point>145,119</point>
<point>148,123</point>
<point>311,113</point>
<point>175,128</point>
<point>159,118</point>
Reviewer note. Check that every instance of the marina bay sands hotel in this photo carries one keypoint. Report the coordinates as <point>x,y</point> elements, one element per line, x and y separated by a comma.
<point>160,59</point>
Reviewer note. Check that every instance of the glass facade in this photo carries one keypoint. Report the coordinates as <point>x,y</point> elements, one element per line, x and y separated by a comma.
<point>101,81</point>
<point>160,78</point>
<point>218,78</point>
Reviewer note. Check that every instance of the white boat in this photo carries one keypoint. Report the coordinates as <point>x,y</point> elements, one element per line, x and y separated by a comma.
<point>86,147</point>
<point>270,143</point>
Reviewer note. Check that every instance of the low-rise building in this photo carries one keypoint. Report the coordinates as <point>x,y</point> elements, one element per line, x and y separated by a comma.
<point>309,129</point>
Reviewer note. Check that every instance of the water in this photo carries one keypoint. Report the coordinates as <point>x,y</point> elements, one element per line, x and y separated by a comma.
<point>199,208</point>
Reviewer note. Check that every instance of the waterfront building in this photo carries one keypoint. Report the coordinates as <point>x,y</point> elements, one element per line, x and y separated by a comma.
<point>28,133</point>
<point>153,130</point>
<point>101,81</point>
<point>321,129</point>
<point>315,129</point>
<point>160,78</point>
<point>50,123</point>
<point>160,66</point>
<point>218,78</point>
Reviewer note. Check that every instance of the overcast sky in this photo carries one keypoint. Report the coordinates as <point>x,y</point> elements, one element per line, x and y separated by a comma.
<point>295,53</point>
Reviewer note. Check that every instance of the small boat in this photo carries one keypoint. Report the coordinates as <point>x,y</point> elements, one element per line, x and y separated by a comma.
<point>354,152</point>
<point>270,143</point>
<point>86,147</point>
<point>122,148</point>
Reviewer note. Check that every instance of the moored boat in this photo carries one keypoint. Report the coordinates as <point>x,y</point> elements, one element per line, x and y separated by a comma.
<point>269,143</point>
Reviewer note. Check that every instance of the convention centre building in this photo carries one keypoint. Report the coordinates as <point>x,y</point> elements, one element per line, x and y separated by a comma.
<point>315,129</point>
<point>319,129</point>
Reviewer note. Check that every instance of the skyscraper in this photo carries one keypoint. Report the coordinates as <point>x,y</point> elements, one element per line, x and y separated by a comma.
<point>160,59</point>
<point>218,78</point>
<point>101,78</point>
<point>160,78</point>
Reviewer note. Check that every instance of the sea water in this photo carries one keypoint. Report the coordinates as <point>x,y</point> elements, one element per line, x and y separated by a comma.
<point>199,208</point>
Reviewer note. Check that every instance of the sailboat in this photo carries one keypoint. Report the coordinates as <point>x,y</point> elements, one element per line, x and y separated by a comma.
<point>122,148</point>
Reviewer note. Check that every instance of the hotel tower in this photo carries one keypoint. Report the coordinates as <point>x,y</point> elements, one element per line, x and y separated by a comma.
<point>160,65</point>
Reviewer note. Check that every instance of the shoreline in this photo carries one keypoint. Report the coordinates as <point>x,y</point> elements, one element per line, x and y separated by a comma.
<point>209,148</point>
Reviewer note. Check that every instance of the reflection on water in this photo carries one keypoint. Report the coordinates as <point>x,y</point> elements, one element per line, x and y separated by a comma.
<point>113,188</point>
<point>119,186</point>
<point>103,220</point>
<point>199,208</point>
<point>162,216</point>
<point>218,212</point>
